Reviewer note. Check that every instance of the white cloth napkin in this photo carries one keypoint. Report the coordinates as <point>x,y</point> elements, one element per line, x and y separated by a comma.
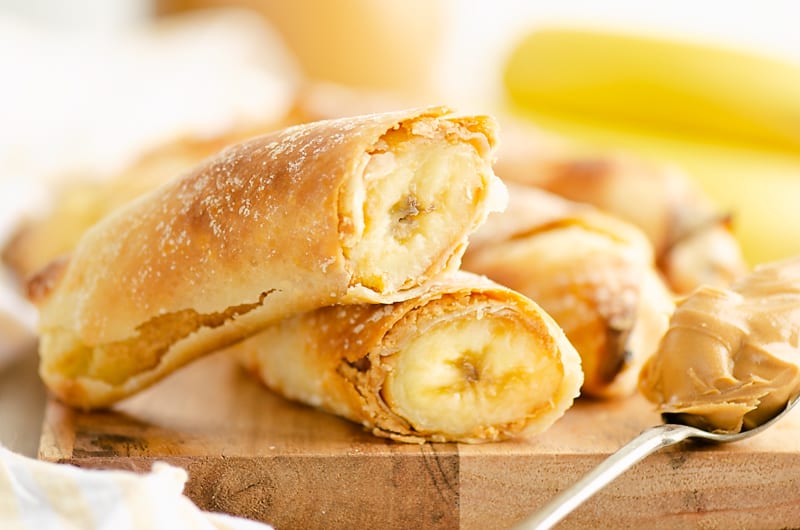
<point>36,495</point>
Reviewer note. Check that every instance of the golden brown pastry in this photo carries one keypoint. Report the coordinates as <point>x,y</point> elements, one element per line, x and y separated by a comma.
<point>693,241</point>
<point>364,209</point>
<point>467,360</point>
<point>731,357</point>
<point>591,272</point>
<point>82,203</point>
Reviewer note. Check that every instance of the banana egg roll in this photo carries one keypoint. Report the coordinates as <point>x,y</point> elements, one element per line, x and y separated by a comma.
<point>362,209</point>
<point>693,240</point>
<point>468,360</point>
<point>593,273</point>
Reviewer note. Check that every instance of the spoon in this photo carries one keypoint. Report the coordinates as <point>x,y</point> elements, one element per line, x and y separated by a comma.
<point>648,442</point>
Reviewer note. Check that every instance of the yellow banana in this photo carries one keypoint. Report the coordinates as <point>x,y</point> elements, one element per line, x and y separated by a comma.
<point>657,83</point>
<point>730,118</point>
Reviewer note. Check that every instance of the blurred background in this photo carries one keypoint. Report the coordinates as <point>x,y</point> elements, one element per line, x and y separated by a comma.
<point>91,87</point>
<point>102,100</point>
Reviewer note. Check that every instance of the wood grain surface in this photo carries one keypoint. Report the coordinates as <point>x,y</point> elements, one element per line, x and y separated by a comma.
<point>249,452</point>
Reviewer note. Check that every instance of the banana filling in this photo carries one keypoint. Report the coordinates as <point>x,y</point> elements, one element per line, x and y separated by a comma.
<point>465,375</point>
<point>417,194</point>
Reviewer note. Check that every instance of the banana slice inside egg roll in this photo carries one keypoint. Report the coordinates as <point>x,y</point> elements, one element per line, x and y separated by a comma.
<point>467,361</point>
<point>363,209</point>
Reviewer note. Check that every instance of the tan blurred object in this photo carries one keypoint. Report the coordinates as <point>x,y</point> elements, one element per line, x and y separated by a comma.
<point>81,203</point>
<point>22,393</point>
<point>15,339</point>
<point>387,45</point>
<point>592,272</point>
<point>692,239</point>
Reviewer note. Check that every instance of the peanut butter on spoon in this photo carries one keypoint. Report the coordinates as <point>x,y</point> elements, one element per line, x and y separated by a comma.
<point>730,359</point>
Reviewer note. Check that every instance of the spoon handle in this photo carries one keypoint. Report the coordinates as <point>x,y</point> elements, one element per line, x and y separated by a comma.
<point>648,442</point>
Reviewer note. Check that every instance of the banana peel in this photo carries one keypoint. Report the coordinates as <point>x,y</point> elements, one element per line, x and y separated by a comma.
<point>730,118</point>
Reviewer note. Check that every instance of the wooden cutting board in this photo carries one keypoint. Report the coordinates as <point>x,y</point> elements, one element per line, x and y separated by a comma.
<point>249,452</point>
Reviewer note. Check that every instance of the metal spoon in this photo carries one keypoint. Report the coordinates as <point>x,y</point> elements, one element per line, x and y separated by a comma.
<point>648,442</point>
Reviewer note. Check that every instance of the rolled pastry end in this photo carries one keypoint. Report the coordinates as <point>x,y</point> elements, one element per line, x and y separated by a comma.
<point>466,361</point>
<point>480,378</point>
<point>426,185</point>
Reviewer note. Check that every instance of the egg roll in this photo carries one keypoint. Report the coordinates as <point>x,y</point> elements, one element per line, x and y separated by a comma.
<point>361,209</point>
<point>466,361</point>
<point>692,238</point>
<point>593,273</point>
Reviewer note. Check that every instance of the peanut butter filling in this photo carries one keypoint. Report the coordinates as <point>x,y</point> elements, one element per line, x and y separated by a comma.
<point>731,358</point>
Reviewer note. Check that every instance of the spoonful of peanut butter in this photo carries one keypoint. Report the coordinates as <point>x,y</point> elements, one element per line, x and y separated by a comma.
<point>727,368</point>
<point>730,359</point>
